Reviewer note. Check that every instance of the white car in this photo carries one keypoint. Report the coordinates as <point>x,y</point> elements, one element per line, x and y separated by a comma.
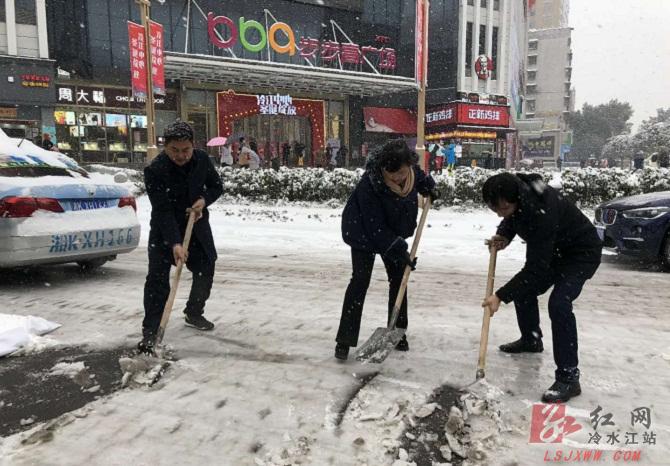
<point>51,211</point>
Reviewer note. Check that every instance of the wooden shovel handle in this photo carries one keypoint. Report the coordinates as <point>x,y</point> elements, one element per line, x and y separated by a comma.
<point>167,310</point>
<point>405,278</point>
<point>484,338</point>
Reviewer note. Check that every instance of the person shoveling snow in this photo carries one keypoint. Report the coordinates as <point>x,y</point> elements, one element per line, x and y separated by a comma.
<point>179,179</point>
<point>563,251</point>
<point>377,219</point>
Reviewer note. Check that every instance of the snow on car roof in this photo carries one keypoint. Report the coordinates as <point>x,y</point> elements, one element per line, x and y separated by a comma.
<point>22,152</point>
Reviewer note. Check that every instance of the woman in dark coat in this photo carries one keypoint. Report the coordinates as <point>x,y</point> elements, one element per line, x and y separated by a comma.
<point>378,218</point>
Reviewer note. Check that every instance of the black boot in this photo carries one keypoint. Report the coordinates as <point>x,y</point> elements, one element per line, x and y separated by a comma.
<point>341,351</point>
<point>560,392</point>
<point>523,346</point>
<point>402,345</point>
<point>198,322</point>
<point>146,346</point>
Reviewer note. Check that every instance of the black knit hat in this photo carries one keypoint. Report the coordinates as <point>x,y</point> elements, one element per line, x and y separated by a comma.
<point>178,131</point>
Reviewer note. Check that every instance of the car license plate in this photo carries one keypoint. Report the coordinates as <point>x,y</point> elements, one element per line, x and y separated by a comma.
<point>92,240</point>
<point>87,204</point>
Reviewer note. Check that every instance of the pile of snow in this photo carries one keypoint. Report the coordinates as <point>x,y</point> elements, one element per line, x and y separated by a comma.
<point>142,371</point>
<point>68,369</point>
<point>17,332</point>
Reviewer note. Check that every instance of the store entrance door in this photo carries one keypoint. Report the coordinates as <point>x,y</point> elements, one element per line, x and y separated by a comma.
<point>270,132</point>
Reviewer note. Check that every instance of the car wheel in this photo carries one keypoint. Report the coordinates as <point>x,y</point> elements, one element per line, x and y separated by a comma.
<point>665,253</point>
<point>91,265</point>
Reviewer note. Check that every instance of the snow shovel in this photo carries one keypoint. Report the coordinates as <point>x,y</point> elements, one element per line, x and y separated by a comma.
<point>377,348</point>
<point>484,339</point>
<point>167,310</point>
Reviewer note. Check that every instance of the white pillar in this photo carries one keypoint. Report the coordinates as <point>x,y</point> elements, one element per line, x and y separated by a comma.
<point>503,58</point>
<point>42,34</point>
<point>10,13</point>
<point>462,41</point>
<point>475,44</point>
<point>489,39</point>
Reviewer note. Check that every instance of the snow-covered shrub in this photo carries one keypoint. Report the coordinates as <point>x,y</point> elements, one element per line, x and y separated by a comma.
<point>591,186</point>
<point>654,180</point>
<point>587,186</point>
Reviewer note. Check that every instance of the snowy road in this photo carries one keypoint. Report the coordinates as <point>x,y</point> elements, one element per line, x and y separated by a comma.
<point>263,388</point>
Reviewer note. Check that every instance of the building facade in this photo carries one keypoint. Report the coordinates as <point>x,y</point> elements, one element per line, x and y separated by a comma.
<point>27,74</point>
<point>278,73</point>
<point>476,75</point>
<point>293,76</point>
<point>550,96</point>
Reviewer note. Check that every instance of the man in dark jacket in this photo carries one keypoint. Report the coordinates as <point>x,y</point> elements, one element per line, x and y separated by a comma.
<point>180,178</point>
<point>562,250</point>
<point>379,216</point>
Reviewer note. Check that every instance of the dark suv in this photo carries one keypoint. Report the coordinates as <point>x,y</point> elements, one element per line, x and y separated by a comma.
<point>637,226</point>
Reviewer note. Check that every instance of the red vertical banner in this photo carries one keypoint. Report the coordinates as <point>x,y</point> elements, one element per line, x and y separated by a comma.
<point>138,70</point>
<point>157,59</point>
<point>419,66</point>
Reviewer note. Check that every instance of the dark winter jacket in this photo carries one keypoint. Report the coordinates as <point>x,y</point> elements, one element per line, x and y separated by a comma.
<point>375,217</point>
<point>559,238</point>
<point>172,190</point>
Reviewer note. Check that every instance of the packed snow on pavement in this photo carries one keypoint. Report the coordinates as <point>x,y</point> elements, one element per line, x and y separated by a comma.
<point>263,387</point>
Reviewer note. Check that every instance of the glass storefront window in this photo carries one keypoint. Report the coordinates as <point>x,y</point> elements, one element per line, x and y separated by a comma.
<point>101,137</point>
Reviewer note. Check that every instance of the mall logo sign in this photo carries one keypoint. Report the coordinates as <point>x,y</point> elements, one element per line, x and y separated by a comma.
<point>224,33</point>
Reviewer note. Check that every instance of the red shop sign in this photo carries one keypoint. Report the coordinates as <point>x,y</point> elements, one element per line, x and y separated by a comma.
<point>483,115</point>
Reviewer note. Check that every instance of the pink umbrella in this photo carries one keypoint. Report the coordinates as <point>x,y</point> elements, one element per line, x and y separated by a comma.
<point>217,141</point>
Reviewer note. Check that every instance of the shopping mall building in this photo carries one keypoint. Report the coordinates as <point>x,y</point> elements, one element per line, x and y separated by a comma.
<point>311,72</point>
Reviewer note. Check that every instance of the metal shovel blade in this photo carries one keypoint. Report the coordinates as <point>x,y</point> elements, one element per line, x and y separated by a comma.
<point>377,348</point>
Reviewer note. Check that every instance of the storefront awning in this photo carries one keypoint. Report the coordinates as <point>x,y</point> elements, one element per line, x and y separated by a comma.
<point>389,120</point>
<point>237,72</point>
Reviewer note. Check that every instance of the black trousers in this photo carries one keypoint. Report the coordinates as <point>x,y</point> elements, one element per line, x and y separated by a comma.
<point>352,309</point>
<point>157,285</point>
<point>568,283</point>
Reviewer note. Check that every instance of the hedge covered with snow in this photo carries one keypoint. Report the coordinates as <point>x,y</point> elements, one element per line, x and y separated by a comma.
<point>588,187</point>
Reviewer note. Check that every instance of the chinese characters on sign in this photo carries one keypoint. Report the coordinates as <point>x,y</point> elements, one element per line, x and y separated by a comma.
<point>157,59</point>
<point>138,72</point>
<point>440,116</point>
<point>479,114</point>
<point>224,33</point>
<point>108,97</point>
<point>469,114</point>
<point>138,59</point>
<point>276,105</point>
<point>34,80</point>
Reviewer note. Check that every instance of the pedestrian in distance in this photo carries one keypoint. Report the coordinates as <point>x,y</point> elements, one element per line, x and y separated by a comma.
<point>179,178</point>
<point>342,153</point>
<point>378,218</point>
<point>459,151</point>
<point>254,159</point>
<point>638,160</point>
<point>226,159</point>
<point>664,157</point>
<point>563,251</point>
<point>244,160</point>
<point>46,142</point>
<point>450,154</point>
